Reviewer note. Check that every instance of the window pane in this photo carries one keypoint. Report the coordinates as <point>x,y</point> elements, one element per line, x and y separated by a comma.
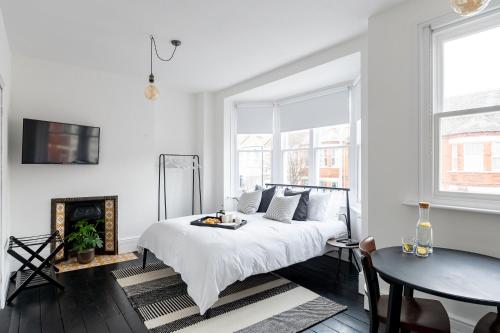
<point>333,167</point>
<point>495,156</point>
<point>332,136</point>
<point>468,150</point>
<point>473,157</point>
<point>471,70</point>
<point>296,167</point>
<point>295,139</point>
<point>454,157</point>
<point>254,169</point>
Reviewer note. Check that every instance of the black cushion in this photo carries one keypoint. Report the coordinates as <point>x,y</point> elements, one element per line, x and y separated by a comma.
<point>267,196</point>
<point>303,206</point>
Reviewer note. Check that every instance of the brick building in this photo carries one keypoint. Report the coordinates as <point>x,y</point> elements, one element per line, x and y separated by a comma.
<point>470,149</point>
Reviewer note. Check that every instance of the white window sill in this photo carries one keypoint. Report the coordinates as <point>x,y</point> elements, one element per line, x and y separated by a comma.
<point>457,208</point>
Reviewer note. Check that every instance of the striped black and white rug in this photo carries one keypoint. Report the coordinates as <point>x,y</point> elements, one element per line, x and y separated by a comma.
<point>261,303</point>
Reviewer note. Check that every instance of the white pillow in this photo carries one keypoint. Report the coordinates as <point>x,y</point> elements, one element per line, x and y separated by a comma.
<point>318,206</point>
<point>337,201</point>
<point>249,202</point>
<point>282,208</point>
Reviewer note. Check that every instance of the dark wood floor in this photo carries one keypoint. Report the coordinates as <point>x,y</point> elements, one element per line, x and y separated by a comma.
<point>93,302</point>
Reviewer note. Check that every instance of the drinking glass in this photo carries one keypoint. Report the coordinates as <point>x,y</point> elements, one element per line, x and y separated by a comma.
<point>421,250</point>
<point>408,244</point>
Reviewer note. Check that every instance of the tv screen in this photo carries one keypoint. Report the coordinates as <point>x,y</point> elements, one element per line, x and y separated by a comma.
<point>46,142</point>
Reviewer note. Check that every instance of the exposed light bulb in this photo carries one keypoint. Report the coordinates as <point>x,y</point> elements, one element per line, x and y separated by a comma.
<point>152,93</point>
<point>469,7</point>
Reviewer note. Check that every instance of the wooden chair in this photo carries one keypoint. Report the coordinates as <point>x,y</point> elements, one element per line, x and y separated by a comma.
<point>417,314</point>
<point>490,323</point>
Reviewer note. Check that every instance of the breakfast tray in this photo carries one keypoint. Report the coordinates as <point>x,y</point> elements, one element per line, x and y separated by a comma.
<point>200,223</point>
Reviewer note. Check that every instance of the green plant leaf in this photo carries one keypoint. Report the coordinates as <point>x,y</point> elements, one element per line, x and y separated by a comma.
<point>85,236</point>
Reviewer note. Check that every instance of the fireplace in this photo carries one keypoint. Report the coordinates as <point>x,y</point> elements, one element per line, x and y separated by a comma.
<point>66,212</point>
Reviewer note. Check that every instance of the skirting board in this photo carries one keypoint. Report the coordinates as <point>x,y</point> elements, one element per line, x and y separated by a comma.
<point>5,285</point>
<point>128,244</point>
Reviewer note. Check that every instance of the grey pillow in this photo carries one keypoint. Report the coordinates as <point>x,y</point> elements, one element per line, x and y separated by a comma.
<point>282,208</point>
<point>249,202</point>
<point>267,196</point>
<point>303,206</point>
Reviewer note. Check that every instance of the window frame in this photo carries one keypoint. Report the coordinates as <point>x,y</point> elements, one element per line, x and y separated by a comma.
<point>432,34</point>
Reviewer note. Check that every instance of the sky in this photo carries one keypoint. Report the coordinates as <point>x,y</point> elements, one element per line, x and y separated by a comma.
<point>472,63</point>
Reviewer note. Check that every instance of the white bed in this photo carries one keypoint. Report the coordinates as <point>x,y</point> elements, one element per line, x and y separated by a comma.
<point>210,259</point>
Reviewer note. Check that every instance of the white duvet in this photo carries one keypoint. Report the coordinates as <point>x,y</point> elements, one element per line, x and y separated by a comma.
<point>210,259</point>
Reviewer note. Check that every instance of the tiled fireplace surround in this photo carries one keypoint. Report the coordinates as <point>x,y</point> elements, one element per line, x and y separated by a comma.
<point>63,215</point>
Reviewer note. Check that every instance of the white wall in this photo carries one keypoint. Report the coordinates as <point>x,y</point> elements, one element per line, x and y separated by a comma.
<point>207,147</point>
<point>5,69</point>
<point>393,145</point>
<point>133,132</point>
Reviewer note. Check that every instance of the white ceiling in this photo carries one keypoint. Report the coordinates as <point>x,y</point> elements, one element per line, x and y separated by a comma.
<point>224,41</point>
<point>326,75</point>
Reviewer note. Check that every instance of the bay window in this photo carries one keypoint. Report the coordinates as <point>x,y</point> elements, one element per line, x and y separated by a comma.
<point>300,141</point>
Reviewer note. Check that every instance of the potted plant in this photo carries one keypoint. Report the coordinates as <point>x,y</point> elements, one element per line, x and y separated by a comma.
<point>84,241</point>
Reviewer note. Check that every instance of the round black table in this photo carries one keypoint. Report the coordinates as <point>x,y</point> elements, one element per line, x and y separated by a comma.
<point>453,274</point>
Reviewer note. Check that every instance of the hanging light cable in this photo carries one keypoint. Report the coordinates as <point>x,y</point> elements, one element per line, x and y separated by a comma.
<point>152,92</point>
<point>469,7</point>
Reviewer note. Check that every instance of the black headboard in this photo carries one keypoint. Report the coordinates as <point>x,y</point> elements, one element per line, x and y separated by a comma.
<point>325,189</point>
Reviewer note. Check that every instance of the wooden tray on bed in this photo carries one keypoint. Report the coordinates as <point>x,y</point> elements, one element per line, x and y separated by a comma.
<point>200,223</point>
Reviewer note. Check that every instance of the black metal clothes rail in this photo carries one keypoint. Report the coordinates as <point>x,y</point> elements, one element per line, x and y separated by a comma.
<point>162,159</point>
<point>29,275</point>
<point>324,189</point>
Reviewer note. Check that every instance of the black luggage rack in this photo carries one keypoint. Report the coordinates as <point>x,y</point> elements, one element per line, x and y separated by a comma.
<point>30,275</point>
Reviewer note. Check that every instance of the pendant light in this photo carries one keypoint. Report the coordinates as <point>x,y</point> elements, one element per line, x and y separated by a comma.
<point>152,93</point>
<point>469,7</point>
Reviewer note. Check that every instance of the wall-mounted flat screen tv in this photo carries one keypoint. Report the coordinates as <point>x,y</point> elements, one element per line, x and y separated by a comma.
<point>47,142</point>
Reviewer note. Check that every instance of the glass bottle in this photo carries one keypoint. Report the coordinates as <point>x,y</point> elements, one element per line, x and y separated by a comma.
<point>423,241</point>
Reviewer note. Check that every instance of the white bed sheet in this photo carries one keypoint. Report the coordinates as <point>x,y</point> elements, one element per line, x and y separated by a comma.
<point>210,259</point>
